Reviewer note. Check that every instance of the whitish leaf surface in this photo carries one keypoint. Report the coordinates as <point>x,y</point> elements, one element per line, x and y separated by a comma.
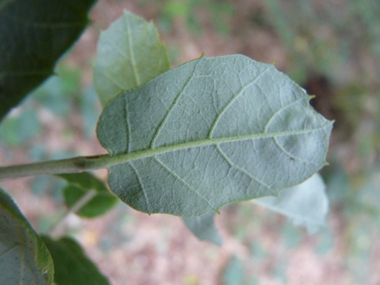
<point>129,54</point>
<point>203,227</point>
<point>211,132</point>
<point>24,259</point>
<point>71,265</point>
<point>305,204</point>
<point>33,35</point>
<point>79,185</point>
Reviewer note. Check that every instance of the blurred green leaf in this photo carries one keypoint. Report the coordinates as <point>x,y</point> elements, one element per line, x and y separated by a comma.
<point>71,265</point>
<point>279,271</point>
<point>359,255</point>
<point>79,185</point>
<point>178,9</point>
<point>129,54</point>
<point>33,36</point>
<point>325,242</point>
<point>305,204</point>
<point>291,236</point>
<point>203,227</point>
<point>258,252</point>
<point>17,130</point>
<point>90,111</point>
<point>24,259</point>
<point>215,13</point>
<point>56,93</point>
<point>234,273</point>
<point>210,132</point>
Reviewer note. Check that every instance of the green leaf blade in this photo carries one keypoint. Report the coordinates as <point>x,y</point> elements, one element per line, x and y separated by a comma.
<point>24,258</point>
<point>33,36</point>
<point>210,132</point>
<point>71,264</point>
<point>305,204</point>
<point>204,228</point>
<point>129,54</point>
<point>79,185</point>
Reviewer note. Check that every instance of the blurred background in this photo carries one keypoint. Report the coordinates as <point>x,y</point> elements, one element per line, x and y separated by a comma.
<point>331,48</point>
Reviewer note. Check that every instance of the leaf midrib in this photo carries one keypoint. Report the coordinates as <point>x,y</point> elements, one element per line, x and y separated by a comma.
<point>115,159</point>
<point>131,52</point>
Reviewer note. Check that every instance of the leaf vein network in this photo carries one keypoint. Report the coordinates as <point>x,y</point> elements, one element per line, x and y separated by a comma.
<point>131,53</point>
<point>112,79</point>
<point>280,110</point>
<point>160,126</point>
<point>290,155</point>
<point>183,182</point>
<point>141,186</point>
<point>233,99</point>
<point>240,169</point>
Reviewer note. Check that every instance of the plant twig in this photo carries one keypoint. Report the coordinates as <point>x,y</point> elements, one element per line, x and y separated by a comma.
<point>70,165</point>
<point>75,208</point>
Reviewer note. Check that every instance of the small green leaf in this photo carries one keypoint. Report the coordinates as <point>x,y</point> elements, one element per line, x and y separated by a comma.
<point>24,259</point>
<point>203,227</point>
<point>71,265</point>
<point>82,183</point>
<point>33,36</point>
<point>305,204</point>
<point>210,132</point>
<point>129,54</point>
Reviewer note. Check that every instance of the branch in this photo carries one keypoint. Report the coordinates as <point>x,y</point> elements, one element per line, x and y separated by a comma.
<point>71,165</point>
<point>75,208</point>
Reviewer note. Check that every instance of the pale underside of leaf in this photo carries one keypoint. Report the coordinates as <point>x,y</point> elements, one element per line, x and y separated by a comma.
<point>214,131</point>
<point>204,228</point>
<point>305,204</point>
<point>129,54</point>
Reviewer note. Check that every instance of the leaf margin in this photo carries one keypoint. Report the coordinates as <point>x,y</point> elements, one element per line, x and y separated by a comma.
<point>117,158</point>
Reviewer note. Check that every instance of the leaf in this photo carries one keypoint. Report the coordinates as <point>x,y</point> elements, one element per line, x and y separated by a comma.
<point>203,227</point>
<point>34,34</point>
<point>210,132</point>
<point>129,54</point>
<point>234,273</point>
<point>305,204</point>
<point>20,129</point>
<point>82,183</point>
<point>24,259</point>
<point>71,265</point>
